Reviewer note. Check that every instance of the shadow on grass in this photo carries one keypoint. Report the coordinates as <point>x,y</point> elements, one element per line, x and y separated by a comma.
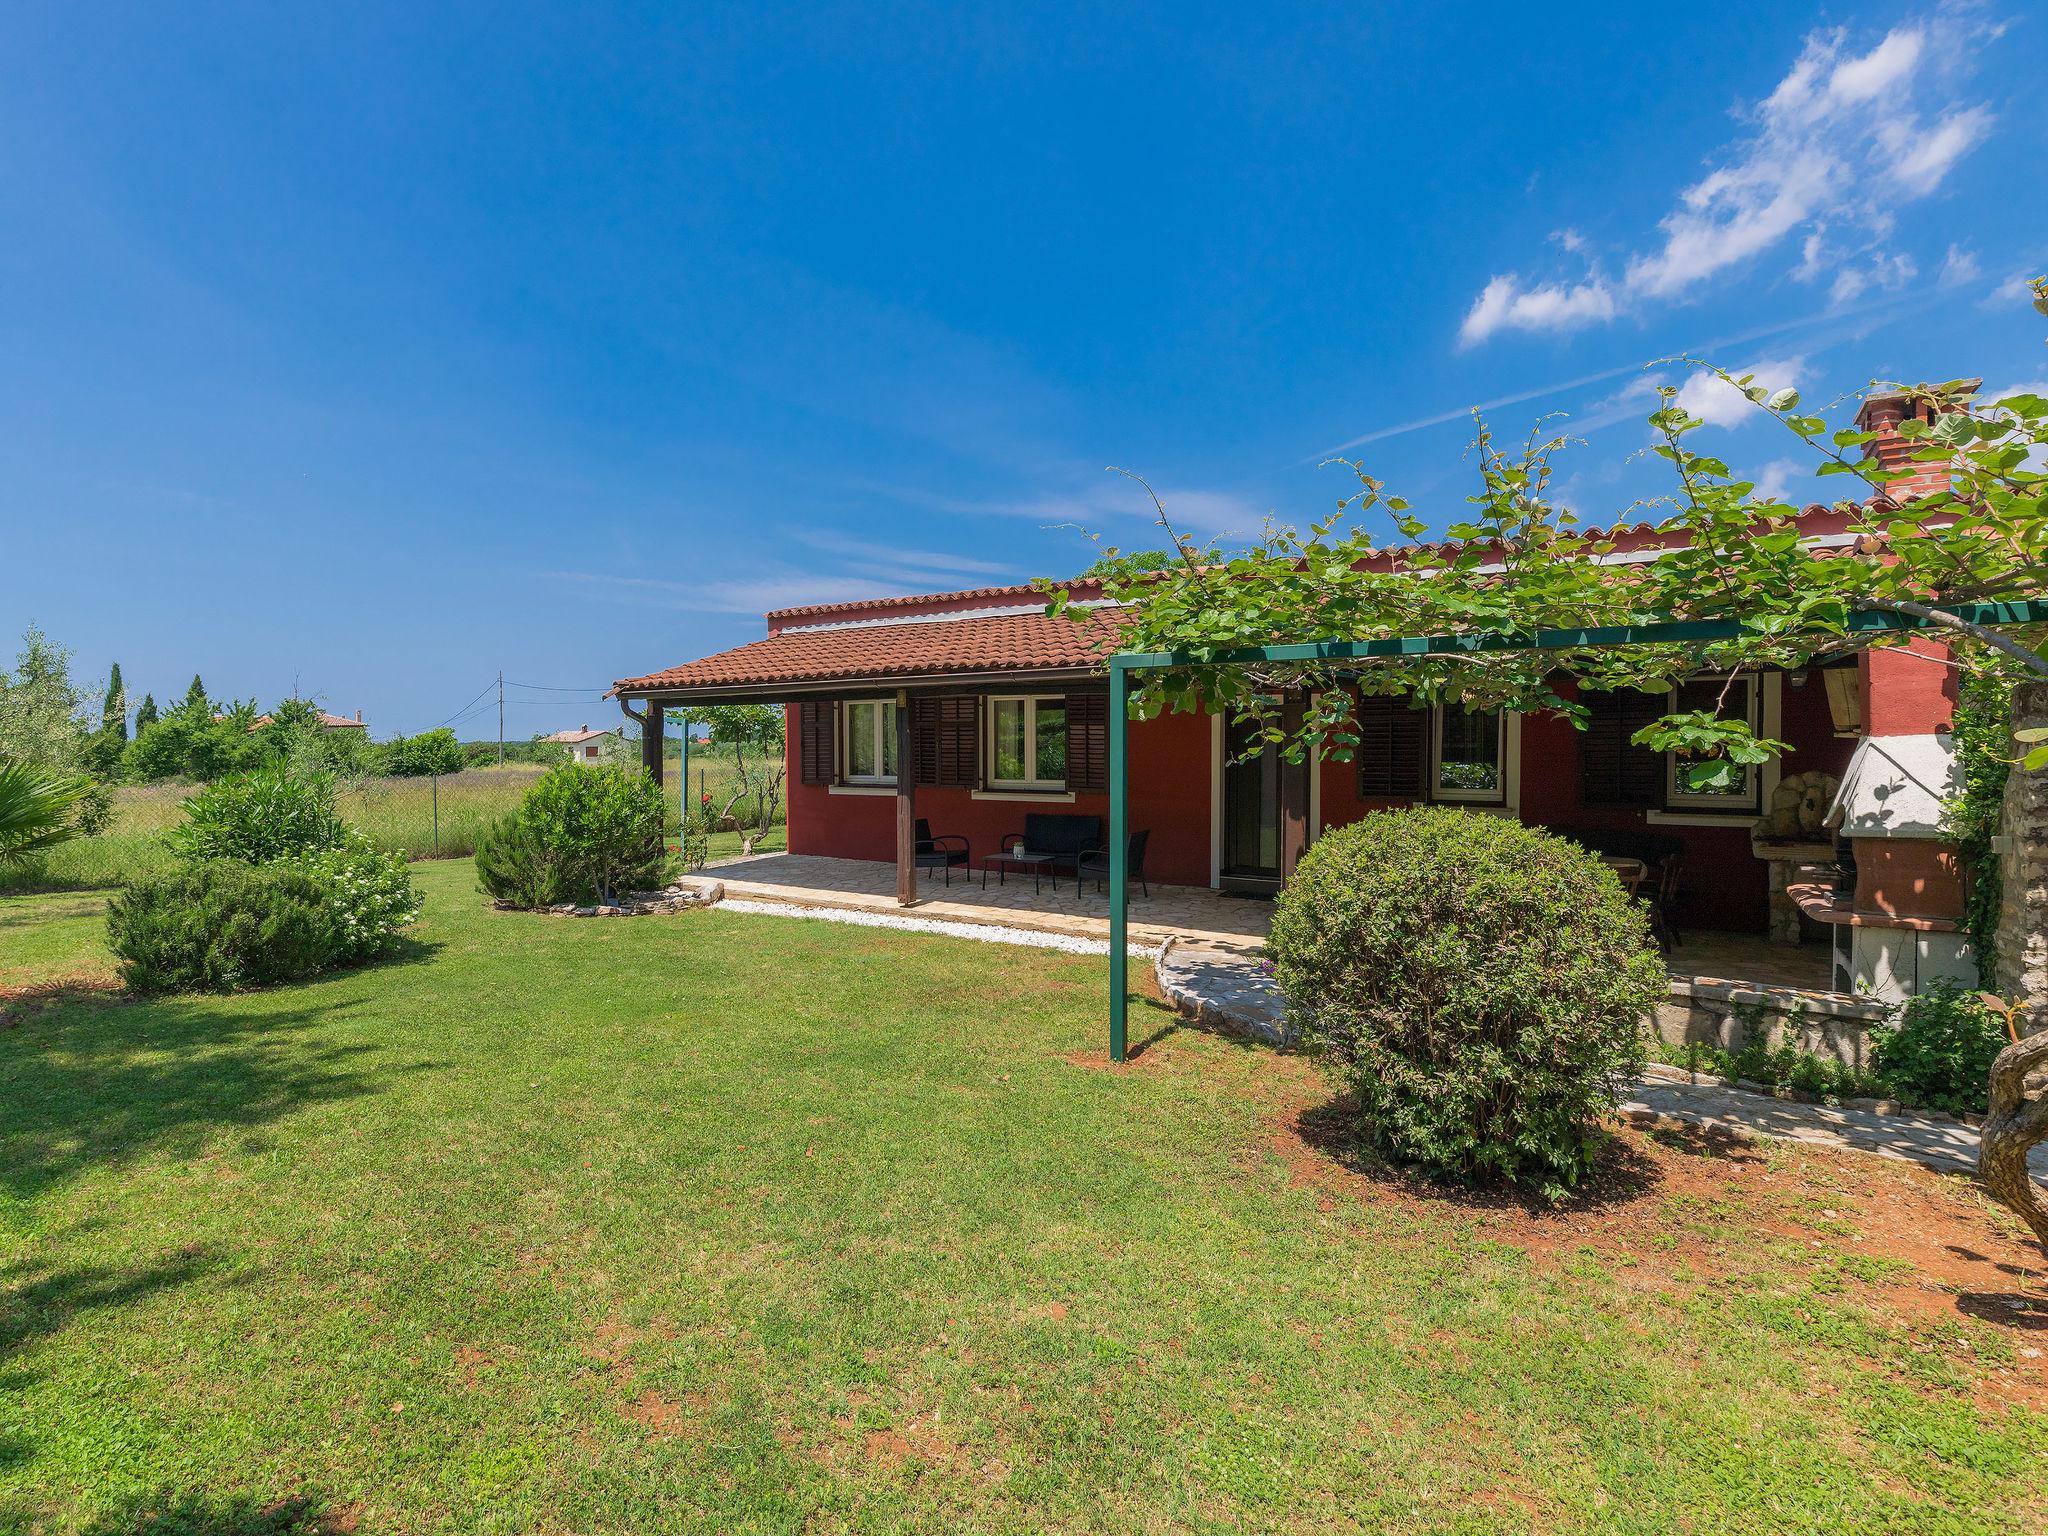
<point>42,1301</point>
<point>96,1081</point>
<point>174,1513</point>
<point>1622,1174</point>
<point>2008,1309</point>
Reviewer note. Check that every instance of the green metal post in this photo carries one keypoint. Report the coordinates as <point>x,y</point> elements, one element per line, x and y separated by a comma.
<point>683,789</point>
<point>1119,849</point>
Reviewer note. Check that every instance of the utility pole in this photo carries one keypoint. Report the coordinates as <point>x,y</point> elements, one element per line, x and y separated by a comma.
<point>501,717</point>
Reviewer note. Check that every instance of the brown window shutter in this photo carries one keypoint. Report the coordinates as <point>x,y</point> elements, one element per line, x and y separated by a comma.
<point>945,740</point>
<point>1612,769</point>
<point>1088,743</point>
<point>1393,747</point>
<point>814,728</point>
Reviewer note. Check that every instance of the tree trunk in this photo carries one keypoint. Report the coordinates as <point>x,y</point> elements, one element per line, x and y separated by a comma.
<point>2015,1126</point>
<point>2017,1123</point>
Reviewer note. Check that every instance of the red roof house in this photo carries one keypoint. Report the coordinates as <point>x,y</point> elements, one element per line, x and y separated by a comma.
<point>971,710</point>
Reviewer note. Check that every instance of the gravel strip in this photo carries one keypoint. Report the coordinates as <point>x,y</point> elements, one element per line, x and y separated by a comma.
<point>986,933</point>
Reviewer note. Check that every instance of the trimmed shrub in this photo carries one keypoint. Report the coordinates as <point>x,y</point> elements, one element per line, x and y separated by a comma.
<point>368,895</point>
<point>582,834</point>
<point>1938,1055</point>
<point>218,926</point>
<point>514,866</point>
<point>271,813</point>
<point>1481,987</point>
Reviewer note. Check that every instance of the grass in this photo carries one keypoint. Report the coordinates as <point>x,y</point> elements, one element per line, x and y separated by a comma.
<point>426,819</point>
<point>742,1224</point>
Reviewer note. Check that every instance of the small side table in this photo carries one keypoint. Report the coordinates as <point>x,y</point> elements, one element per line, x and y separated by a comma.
<point>1002,863</point>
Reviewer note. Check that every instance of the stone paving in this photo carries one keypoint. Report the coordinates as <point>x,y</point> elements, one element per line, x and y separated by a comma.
<point>865,885</point>
<point>1192,914</point>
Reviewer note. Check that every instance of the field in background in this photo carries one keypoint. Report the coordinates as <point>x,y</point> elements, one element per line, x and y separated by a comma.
<point>425,818</point>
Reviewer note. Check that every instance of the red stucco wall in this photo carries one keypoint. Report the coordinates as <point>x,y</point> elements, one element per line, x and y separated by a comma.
<point>1170,774</point>
<point>1172,770</point>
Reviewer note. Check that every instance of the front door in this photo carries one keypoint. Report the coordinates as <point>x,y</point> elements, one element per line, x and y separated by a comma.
<point>1251,814</point>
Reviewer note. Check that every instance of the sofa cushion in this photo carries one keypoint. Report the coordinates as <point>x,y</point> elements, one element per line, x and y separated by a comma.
<point>1064,837</point>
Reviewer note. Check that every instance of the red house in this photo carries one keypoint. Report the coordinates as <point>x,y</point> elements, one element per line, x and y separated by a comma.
<point>997,710</point>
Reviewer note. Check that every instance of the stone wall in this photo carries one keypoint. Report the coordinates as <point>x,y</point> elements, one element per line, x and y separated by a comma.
<point>2023,870</point>
<point>1721,1013</point>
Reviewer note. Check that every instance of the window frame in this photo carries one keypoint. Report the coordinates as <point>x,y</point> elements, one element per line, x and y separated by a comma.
<point>1031,783</point>
<point>884,733</point>
<point>1498,795</point>
<point>1742,806</point>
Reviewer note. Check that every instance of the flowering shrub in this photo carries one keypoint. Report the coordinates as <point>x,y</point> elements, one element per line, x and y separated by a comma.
<point>368,895</point>
<point>1480,986</point>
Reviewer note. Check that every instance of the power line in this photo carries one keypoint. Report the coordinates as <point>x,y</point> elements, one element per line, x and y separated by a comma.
<point>465,708</point>
<point>550,688</point>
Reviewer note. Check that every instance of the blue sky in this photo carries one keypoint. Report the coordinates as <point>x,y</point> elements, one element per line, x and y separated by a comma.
<point>372,349</point>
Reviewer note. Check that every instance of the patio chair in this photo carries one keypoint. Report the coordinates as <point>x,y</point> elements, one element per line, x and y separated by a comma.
<point>945,852</point>
<point>1094,864</point>
<point>1660,894</point>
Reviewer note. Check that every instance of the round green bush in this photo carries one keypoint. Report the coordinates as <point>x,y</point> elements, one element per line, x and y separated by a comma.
<point>219,926</point>
<point>581,834</point>
<point>1481,987</point>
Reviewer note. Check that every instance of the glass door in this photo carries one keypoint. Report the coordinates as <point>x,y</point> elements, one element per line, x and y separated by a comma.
<point>1251,813</point>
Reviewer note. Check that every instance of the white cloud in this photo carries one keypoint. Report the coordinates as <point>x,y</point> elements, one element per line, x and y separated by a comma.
<point>1925,158</point>
<point>1775,479</point>
<point>1842,141</point>
<point>2015,290</point>
<point>1959,266</point>
<point>1507,305</point>
<point>1720,404</point>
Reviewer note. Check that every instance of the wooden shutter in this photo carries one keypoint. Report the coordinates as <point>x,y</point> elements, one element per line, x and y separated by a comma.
<point>945,740</point>
<point>1612,769</point>
<point>1088,743</point>
<point>1393,747</point>
<point>816,762</point>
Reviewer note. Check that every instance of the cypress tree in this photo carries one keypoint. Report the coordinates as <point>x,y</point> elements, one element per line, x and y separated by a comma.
<point>114,709</point>
<point>195,696</point>
<point>145,713</point>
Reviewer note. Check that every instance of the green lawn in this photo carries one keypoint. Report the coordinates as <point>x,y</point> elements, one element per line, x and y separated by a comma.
<point>425,818</point>
<point>729,1223</point>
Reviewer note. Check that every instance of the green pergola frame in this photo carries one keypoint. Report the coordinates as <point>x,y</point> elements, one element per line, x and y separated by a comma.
<point>1674,632</point>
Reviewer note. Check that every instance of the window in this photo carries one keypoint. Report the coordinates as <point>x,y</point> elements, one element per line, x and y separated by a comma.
<point>1028,743</point>
<point>1468,757</point>
<point>871,741</point>
<point>1739,702</point>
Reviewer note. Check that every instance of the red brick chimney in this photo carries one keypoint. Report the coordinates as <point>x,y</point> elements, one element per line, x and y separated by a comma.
<point>1882,414</point>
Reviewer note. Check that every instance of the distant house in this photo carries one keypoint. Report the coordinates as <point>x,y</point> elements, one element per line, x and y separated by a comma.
<point>327,722</point>
<point>585,745</point>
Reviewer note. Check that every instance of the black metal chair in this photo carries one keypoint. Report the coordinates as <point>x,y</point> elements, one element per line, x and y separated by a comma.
<point>1094,864</point>
<point>945,852</point>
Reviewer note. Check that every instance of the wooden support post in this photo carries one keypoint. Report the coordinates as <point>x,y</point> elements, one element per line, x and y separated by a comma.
<point>1293,789</point>
<point>650,740</point>
<point>906,808</point>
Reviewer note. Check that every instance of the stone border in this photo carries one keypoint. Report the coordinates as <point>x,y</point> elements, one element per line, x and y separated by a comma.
<point>1664,1072</point>
<point>683,896</point>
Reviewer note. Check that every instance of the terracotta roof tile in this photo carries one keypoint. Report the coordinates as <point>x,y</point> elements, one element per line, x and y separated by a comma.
<point>1022,593</point>
<point>1024,642</point>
